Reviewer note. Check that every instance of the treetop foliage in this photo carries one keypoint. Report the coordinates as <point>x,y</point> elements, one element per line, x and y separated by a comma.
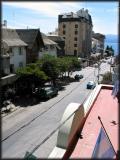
<point>50,67</point>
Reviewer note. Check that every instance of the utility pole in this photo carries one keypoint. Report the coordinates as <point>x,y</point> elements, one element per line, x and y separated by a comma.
<point>110,63</point>
<point>98,71</point>
<point>98,63</point>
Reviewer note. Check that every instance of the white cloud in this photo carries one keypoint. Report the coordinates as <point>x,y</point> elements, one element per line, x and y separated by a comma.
<point>36,23</point>
<point>51,9</point>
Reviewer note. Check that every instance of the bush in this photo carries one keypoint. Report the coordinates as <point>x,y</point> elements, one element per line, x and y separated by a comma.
<point>107,78</point>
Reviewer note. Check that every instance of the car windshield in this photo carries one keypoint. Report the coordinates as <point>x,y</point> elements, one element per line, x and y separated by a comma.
<point>48,88</point>
<point>91,82</point>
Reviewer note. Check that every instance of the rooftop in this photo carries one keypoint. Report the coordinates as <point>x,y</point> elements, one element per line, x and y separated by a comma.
<point>11,38</point>
<point>55,37</point>
<point>29,36</point>
<point>107,109</point>
<point>77,138</point>
<point>47,41</point>
<point>81,14</point>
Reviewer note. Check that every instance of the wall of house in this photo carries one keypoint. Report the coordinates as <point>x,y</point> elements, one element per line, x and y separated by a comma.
<point>48,50</point>
<point>6,65</point>
<point>17,59</point>
<point>97,46</point>
<point>32,54</point>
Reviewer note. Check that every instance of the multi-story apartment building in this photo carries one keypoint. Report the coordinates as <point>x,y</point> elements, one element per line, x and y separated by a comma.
<point>98,42</point>
<point>76,29</point>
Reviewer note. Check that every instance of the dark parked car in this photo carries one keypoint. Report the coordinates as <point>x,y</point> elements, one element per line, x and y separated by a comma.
<point>46,92</point>
<point>78,77</point>
<point>91,85</point>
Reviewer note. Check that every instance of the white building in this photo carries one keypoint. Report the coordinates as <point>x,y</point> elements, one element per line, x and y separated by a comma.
<point>50,47</point>
<point>15,47</point>
<point>98,43</point>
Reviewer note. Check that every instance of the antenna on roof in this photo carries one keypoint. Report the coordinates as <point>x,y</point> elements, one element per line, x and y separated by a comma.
<point>13,18</point>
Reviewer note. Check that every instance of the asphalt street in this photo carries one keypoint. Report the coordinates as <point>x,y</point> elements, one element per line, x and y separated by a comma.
<point>30,128</point>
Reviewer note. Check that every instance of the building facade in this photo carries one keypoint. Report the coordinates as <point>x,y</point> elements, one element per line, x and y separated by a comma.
<point>33,38</point>
<point>60,42</point>
<point>13,46</point>
<point>76,29</point>
<point>50,47</point>
<point>98,43</point>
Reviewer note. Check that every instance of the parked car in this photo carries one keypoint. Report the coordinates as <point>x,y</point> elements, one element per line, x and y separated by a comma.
<point>95,65</point>
<point>81,76</point>
<point>91,85</point>
<point>112,65</point>
<point>78,77</point>
<point>46,92</point>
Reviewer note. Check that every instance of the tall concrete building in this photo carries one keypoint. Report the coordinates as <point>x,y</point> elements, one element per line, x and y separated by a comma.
<point>76,29</point>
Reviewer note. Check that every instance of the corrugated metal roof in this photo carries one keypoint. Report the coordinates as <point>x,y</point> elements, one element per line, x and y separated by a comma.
<point>11,38</point>
<point>46,40</point>
<point>55,38</point>
<point>28,35</point>
<point>14,42</point>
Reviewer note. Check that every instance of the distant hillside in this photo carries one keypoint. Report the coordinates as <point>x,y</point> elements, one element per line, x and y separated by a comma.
<point>111,38</point>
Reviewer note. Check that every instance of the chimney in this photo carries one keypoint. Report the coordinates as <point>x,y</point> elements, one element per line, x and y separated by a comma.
<point>82,9</point>
<point>86,11</point>
<point>72,14</point>
<point>5,23</point>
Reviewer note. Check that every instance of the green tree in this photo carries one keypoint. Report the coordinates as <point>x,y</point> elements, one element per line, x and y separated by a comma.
<point>50,68</point>
<point>107,78</point>
<point>29,76</point>
<point>111,51</point>
<point>107,50</point>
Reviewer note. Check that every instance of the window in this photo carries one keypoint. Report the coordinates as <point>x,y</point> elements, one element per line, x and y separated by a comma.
<point>10,50</point>
<point>75,39</point>
<point>21,64</point>
<point>75,52</point>
<point>20,50</point>
<point>64,25</point>
<point>41,49</point>
<point>63,32</point>
<point>76,25</point>
<point>51,46</point>
<point>46,48</point>
<point>11,68</point>
<point>76,32</point>
<point>75,45</point>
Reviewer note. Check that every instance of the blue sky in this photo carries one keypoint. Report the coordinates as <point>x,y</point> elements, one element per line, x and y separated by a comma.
<point>44,15</point>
